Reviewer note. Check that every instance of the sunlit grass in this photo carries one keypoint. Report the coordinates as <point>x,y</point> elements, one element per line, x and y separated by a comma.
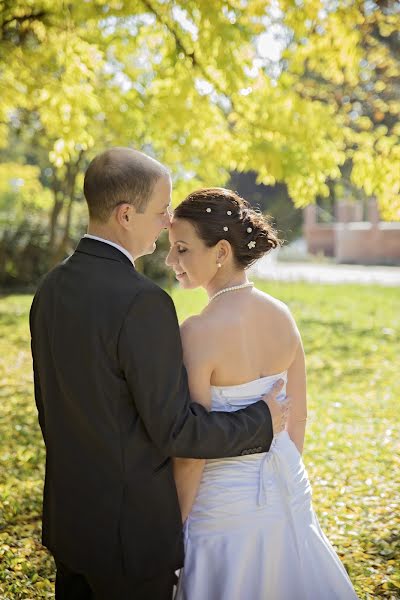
<point>351,338</point>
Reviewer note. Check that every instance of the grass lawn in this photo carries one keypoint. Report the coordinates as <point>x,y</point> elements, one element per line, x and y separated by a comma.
<point>352,343</point>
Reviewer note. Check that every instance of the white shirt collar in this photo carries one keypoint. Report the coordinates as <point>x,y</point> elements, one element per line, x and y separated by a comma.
<point>120,248</point>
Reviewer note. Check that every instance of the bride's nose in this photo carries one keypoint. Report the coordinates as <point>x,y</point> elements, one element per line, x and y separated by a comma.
<point>169,259</point>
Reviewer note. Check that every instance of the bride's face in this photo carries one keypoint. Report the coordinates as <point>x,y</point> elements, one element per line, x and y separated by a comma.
<point>193,262</point>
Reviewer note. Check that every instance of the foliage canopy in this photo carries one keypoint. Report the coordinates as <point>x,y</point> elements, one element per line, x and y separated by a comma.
<point>193,84</point>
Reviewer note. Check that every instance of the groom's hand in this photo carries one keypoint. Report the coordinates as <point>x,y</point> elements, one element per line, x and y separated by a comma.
<point>278,409</point>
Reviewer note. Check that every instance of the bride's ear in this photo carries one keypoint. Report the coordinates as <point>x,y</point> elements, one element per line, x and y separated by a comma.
<point>224,251</point>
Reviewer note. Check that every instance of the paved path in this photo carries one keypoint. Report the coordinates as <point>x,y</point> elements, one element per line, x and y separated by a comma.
<point>269,268</point>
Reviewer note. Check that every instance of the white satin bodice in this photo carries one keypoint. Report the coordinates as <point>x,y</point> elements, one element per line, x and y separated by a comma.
<point>229,398</point>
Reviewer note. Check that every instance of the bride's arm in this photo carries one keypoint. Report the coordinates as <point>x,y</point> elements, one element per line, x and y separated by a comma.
<point>198,362</point>
<point>296,390</point>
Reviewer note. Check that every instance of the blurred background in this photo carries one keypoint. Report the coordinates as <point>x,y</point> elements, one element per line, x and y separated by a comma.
<point>293,103</point>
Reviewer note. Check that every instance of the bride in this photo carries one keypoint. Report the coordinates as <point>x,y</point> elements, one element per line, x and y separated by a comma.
<point>249,525</point>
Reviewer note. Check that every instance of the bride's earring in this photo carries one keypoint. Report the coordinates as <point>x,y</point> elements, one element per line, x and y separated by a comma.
<point>219,265</point>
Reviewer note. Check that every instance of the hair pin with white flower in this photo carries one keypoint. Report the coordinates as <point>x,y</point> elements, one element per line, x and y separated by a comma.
<point>251,244</point>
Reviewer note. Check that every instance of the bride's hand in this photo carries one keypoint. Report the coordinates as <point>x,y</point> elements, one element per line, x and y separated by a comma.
<point>278,409</point>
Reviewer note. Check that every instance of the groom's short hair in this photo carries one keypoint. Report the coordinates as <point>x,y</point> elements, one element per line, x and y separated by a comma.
<point>117,176</point>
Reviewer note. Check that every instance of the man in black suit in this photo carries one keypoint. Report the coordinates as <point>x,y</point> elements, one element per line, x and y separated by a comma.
<point>113,400</point>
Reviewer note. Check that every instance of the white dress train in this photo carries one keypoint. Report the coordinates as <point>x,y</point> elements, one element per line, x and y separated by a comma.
<point>252,533</point>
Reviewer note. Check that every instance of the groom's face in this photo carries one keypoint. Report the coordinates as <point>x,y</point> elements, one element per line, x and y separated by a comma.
<point>148,225</point>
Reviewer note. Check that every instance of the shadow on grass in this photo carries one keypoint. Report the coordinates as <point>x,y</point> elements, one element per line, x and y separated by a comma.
<point>341,327</point>
<point>10,320</point>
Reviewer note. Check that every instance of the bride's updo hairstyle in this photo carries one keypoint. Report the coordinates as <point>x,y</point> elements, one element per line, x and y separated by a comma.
<point>220,214</point>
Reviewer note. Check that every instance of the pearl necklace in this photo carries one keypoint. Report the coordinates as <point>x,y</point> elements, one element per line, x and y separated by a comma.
<point>231,289</point>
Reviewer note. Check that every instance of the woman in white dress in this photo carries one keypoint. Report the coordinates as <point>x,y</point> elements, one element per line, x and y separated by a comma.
<point>250,529</point>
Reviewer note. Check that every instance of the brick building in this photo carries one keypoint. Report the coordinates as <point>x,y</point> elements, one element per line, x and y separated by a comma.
<point>352,236</point>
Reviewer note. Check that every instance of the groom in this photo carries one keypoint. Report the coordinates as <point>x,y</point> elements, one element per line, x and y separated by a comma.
<point>113,400</point>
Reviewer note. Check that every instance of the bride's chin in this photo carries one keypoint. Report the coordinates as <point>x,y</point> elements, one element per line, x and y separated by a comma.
<point>186,284</point>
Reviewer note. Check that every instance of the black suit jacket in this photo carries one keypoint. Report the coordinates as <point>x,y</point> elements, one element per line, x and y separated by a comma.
<point>114,406</point>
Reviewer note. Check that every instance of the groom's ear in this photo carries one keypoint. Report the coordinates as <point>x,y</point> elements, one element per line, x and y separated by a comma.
<point>124,213</point>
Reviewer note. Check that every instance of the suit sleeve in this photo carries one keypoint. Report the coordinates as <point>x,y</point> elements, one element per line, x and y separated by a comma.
<point>150,354</point>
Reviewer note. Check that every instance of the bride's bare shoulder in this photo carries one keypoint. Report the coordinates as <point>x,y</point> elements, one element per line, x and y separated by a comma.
<point>194,330</point>
<point>276,317</point>
<point>273,305</point>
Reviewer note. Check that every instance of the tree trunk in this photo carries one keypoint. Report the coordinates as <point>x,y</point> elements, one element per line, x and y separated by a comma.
<point>62,248</point>
<point>67,194</point>
<point>55,213</point>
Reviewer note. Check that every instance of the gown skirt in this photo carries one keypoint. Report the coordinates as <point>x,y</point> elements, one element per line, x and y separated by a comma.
<point>252,533</point>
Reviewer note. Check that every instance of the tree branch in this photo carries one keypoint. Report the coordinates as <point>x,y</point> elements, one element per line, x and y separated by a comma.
<point>191,55</point>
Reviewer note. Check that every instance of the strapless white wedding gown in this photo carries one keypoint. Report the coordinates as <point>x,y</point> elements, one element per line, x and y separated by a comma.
<point>252,533</point>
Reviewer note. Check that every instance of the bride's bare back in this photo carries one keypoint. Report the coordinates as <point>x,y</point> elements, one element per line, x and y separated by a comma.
<point>249,334</point>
